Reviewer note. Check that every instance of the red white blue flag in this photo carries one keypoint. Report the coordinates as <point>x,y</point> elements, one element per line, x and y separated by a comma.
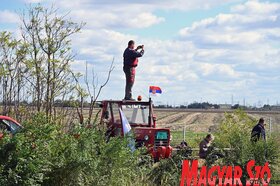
<point>154,90</point>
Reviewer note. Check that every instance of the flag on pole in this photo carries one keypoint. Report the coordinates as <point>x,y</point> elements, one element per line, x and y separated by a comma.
<point>154,90</point>
<point>126,129</point>
<point>125,124</point>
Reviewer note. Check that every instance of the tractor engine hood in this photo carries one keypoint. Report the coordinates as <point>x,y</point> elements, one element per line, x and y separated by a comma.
<point>157,140</point>
<point>152,136</point>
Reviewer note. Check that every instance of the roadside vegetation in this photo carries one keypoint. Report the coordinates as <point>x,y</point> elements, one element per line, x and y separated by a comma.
<point>234,133</point>
<point>232,139</point>
<point>44,154</point>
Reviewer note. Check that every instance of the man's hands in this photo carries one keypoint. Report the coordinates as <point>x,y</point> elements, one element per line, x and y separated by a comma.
<point>140,47</point>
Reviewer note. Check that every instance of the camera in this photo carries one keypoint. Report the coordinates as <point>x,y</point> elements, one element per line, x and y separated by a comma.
<point>140,46</point>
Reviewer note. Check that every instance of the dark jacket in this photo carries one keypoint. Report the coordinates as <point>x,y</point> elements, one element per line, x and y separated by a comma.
<point>203,148</point>
<point>129,57</point>
<point>258,132</point>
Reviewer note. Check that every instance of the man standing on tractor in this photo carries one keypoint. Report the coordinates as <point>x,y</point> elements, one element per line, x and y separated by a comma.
<point>130,62</point>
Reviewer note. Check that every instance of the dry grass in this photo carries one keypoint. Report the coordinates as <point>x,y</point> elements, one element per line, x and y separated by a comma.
<point>204,122</point>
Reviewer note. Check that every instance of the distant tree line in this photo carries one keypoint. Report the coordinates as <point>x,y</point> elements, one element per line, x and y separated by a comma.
<point>206,105</point>
<point>195,105</point>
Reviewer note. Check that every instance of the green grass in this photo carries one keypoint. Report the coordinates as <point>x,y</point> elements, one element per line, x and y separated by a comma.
<point>192,138</point>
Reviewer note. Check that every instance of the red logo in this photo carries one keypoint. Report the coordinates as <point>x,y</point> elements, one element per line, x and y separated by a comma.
<point>226,175</point>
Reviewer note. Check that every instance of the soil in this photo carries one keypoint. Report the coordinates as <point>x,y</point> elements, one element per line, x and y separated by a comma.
<point>203,121</point>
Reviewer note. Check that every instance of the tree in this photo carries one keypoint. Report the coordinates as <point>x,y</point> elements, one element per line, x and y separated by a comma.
<point>12,54</point>
<point>49,35</point>
<point>35,69</point>
<point>93,92</point>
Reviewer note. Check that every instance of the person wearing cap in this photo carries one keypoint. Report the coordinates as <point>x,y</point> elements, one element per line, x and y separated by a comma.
<point>130,62</point>
<point>258,132</point>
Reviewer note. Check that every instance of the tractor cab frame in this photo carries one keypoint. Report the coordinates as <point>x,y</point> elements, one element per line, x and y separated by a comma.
<point>142,120</point>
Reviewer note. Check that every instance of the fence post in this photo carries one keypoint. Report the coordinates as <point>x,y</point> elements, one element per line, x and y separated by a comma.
<point>270,127</point>
<point>184,133</point>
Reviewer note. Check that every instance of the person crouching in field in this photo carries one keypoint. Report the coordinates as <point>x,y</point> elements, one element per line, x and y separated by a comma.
<point>207,151</point>
<point>258,131</point>
<point>204,146</point>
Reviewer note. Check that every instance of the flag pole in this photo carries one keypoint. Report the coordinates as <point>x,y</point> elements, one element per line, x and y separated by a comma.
<point>150,107</point>
<point>149,94</point>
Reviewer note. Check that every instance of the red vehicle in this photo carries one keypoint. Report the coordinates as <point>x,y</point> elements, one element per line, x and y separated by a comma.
<point>8,124</point>
<point>143,123</point>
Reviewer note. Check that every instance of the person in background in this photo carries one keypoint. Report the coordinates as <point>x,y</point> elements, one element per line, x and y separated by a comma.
<point>130,62</point>
<point>184,150</point>
<point>204,146</point>
<point>182,145</point>
<point>258,131</point>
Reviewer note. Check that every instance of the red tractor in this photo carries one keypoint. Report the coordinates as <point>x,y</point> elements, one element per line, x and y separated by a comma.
<point>143,124</point>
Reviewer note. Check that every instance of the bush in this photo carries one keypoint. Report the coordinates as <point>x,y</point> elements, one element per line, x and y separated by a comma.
<point>233,140</point>
<point>168,171</point>
<point>42,154</point>
<point>234,133</point>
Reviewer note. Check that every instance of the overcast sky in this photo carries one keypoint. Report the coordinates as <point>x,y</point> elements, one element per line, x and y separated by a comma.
<point>207,50</point>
